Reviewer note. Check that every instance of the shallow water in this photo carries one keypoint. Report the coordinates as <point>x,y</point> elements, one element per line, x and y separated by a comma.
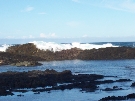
<point>121,68</point>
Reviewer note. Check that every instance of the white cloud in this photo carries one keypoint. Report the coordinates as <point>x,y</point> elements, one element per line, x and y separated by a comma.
<point>28,9</point>
<point>129,5</point>
<point>42,13</point>
<point>50,35</point>
<point>122,5</point>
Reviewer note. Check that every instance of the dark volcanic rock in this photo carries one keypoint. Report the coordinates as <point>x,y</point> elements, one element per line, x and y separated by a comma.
<point>133,84</point>
<point>108,53</point>
<point>5,92</point>
<point>25,49</point>
<point>8,58</point>
<point>116,98</point>
<point>112,89</point>
<point>74,53</point>
<point>33,79</point>
<point>113,98</point>
<point>29,52</point>
<point>26,63</point>
<point>20,55</point>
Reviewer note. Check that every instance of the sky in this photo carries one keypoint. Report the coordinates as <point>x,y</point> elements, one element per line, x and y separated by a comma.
<point>91,20</point>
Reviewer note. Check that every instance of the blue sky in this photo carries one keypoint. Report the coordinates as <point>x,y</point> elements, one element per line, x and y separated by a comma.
<point>96,20</point>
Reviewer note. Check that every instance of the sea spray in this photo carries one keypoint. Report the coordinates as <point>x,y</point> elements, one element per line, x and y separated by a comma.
<point>52,46</point>
<point>4,47</point>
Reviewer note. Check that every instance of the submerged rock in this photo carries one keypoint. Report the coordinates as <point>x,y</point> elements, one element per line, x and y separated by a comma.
<point>5,92</point>
<point>26,63</point>
<point>133,84</point>
<point>116,98</point>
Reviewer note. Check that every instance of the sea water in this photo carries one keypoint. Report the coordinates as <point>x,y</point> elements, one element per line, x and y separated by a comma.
<point>121,69</point>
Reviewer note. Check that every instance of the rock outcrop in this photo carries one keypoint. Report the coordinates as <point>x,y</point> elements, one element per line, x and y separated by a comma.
<point>28,52</point>
<point>117,98</point>
<point>52,80</point>
<point>33,79</point>
<point>31,50</point>
<point>109,53</point>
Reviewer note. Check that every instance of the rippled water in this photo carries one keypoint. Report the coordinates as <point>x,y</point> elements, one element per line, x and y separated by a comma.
<point>120,68</point>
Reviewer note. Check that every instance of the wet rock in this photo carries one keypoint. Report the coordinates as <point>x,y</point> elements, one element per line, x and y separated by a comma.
<point>20,95</point>
<point>115,98</point>
<point>5,92</point>
<point>36,78</point>
<point>33,79</point>
<point>37,93</point>
<point>131,96</point>
<point>133,84</point>
<point>87,77</point>
<point>26,63</point>
<point>123,80</point>
<point>112,89</point>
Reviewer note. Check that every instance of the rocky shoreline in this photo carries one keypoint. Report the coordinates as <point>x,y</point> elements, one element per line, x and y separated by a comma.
<point>28,55</point>
<point>49,80</point>
<point>19,54</point>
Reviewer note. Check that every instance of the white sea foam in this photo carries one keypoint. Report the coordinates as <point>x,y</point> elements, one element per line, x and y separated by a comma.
<point>4,47</point>
<point>58,47</point>
<point>52,46</point>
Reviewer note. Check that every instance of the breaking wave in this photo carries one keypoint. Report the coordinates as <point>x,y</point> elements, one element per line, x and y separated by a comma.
<point>4,47</point>
<point>52,46</point>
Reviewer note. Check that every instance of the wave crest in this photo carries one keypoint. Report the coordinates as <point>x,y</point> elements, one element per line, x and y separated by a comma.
<point>52,46</point>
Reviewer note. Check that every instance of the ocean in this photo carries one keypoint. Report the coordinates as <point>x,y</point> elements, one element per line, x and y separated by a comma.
<point>112,69</point>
